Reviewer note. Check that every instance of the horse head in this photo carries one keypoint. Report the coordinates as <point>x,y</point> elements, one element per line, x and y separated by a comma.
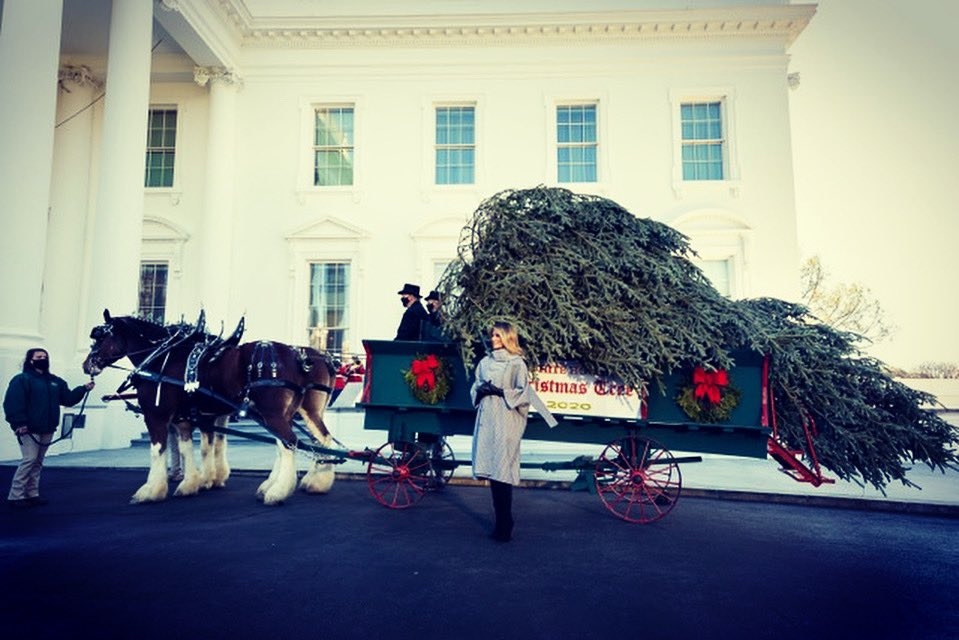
<point>117,338</point>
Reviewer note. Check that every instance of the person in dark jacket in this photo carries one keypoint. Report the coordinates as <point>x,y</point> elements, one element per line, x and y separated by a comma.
<point>32,407</point>
<point>432,328</point>
<point>411,325</point>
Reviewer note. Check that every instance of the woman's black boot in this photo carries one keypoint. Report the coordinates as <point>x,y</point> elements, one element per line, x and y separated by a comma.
<point>503,508</point>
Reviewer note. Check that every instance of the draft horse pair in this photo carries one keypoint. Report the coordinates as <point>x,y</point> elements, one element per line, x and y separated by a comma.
<point>184,376</point>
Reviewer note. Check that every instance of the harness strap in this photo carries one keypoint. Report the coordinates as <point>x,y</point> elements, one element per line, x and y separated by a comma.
<point>276,382</point>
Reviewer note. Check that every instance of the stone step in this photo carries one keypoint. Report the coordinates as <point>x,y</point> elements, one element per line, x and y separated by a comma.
<point>248,426</point>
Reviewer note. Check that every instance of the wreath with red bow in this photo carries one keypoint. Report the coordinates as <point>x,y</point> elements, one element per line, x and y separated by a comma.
<point>428,378</point>
<point>709,397</point>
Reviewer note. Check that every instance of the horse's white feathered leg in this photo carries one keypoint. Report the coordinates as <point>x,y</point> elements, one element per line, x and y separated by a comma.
<point>155,488</point>
<point>192,478</point>
<point>207,460</point>
<point>270,479</point>
<point>320,477</point>
<point>285,481</point>
<point>222,464</point>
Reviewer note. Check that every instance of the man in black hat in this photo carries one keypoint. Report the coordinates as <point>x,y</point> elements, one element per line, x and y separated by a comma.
<point>434,306</point>
<point>411,325</point>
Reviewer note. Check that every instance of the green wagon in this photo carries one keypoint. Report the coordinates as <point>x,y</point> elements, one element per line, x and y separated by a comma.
<point>636,476</point>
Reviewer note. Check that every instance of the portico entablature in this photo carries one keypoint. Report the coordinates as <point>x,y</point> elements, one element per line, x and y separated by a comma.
<point>286,24</point>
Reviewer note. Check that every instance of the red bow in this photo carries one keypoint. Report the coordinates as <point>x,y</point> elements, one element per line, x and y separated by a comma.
<point>709,384</point>
<point>425,372</point>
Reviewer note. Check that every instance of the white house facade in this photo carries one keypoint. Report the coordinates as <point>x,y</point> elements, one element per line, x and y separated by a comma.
<point>295,161</point>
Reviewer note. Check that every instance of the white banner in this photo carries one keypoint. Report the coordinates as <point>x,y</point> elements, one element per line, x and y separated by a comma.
<point>567,390</point>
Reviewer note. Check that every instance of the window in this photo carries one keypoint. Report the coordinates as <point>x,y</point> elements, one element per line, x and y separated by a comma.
<point>161,147</point>
<point>329,308</point>
<point>153,288</point>
<point>576,144</point>
<point>455,145</point>
<point>439,268</point>
<point>702,140</point>
<point>333,146</point>
<point>718,272</point>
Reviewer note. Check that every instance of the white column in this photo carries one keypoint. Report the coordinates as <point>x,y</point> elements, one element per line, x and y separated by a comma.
<point>216,230</point>
<point>29,55</point>
<point>118,223</point>
<point>69,212</point>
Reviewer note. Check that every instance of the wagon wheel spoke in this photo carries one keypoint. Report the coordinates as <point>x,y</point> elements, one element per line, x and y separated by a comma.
<point>637,479</point>
<point>442,463</point>
<point>398,474</point>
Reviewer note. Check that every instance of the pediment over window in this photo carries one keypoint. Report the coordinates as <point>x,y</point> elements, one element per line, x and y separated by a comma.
<point>443,228</point>
<point>329,228</point>
<point>159,229</point>
<point>703,221</point>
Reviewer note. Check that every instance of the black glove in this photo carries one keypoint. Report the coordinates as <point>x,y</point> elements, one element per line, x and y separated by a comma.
<point>494,390</point>
<point>487,389</point>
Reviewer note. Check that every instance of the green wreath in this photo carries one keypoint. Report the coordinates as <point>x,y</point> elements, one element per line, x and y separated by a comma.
<point>709,397</point>
<point>428,378</point>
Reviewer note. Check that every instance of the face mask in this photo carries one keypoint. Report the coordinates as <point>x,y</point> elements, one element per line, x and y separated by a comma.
<point>41,365</point>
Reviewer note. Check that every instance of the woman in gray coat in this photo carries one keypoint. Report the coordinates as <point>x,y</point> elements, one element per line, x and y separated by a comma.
<point>501,395</point>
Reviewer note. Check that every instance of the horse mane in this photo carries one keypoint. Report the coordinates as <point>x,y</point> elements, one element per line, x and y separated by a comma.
<point>150,330</point>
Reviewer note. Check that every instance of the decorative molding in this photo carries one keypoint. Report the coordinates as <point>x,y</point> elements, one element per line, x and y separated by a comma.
<point>328,228</point>
<point>79,75</point>
<point>169,5</point>
<point>204,75</point>
<point>792,80</point>
<point>784,22</point>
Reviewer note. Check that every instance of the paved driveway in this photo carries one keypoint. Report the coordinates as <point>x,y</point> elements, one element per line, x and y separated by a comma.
<point>221,565</point>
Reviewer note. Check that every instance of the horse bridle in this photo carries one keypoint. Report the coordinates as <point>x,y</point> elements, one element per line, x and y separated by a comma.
<point>105,330</point>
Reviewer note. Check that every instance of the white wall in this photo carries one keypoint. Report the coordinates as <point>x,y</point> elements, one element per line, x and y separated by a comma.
<point>393,221</point>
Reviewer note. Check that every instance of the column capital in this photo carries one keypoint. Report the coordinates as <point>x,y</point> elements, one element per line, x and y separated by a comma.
<point>203,75</point>
<point>78,75</point>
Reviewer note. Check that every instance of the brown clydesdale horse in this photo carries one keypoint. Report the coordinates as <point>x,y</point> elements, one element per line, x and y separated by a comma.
<point>184,376</point>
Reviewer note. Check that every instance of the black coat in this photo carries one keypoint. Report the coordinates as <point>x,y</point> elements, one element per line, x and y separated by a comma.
<point>411,326</point>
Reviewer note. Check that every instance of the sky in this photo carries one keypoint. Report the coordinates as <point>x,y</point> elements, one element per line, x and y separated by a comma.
<point>876,147</point>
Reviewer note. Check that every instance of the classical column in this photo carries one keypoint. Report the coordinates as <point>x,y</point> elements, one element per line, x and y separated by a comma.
<point>216,229</point>
<point>69,211</point>
<point>118,223</point>
<point>29,53</point>
<point>29,57</point>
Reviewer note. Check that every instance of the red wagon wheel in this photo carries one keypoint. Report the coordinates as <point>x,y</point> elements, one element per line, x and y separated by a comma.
<point>398,474</point>
<point>638,479</point>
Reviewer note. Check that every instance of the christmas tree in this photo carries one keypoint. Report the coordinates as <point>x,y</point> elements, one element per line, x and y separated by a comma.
<point>584,279</point>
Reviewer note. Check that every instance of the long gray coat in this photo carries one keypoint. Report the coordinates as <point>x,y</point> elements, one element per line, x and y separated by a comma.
<point>500,422</point>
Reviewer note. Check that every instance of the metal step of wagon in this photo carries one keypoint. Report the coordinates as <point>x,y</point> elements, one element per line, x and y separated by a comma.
<point>793,466</point>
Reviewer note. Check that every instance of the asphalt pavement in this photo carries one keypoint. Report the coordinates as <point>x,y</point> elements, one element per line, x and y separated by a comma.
<point>222,565</point>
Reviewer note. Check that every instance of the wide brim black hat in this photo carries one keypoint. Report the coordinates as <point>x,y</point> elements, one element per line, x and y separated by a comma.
<point>411,289</point>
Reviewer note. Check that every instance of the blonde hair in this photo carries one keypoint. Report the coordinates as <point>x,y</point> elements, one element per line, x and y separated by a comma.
<point>510,337</point>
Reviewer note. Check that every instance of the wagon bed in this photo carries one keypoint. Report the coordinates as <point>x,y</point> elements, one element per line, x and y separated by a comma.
<point>637,476</point>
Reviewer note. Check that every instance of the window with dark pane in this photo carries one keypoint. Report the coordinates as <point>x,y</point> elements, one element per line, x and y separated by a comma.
<point>153,287</point>
<point>161,147</point>
<point>328,321</point>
